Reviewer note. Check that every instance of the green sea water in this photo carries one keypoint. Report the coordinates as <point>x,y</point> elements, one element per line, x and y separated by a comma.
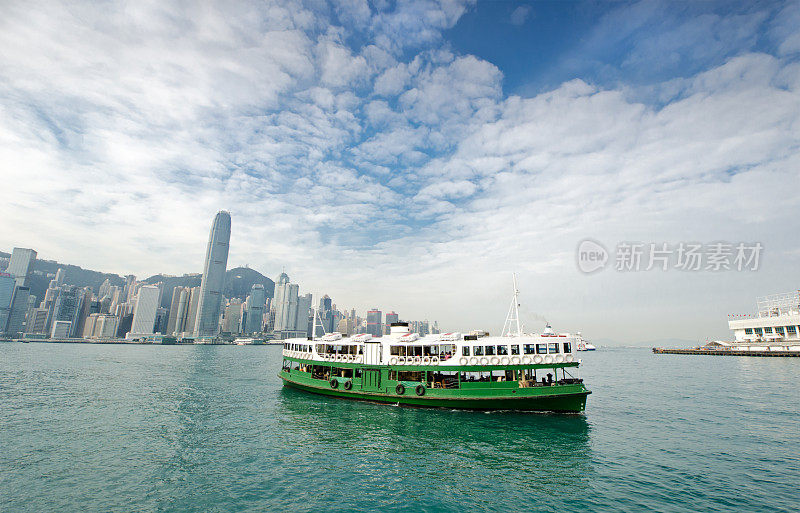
<point>210,428</point>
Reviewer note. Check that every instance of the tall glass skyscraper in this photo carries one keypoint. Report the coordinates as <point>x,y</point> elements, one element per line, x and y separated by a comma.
<point>207,323</point>
<point>21,265</point>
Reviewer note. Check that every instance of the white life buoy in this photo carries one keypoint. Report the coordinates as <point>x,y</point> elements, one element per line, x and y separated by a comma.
<point>484,360</point>
<point>515,360</point>
<point>463,360</point>
<point>392,361</point>
<point>570,358</point>
<point>526,360</point>
<point>495,360</point>
<point>473,361</point>
<point>417,360</point>
<point>435,360</point>
<point>548,359</point>
<point>504,360</point>
<point>537,359</point>
<point>560,358</point>
<point>426,360</point>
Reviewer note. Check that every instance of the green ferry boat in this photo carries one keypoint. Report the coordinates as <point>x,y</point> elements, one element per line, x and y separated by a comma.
<point>536,372</point>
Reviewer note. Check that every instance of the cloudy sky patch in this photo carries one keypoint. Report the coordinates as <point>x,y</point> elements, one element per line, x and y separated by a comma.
<point>384,158</point>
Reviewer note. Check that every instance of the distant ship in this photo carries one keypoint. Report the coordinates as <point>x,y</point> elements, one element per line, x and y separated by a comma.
<point>582,345</point>
<point>517,371</point>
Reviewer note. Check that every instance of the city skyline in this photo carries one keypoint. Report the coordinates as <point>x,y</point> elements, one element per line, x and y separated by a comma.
<point>415,154</point>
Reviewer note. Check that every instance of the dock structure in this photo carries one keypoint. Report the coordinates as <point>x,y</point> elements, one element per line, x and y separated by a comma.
<point>725,352</point>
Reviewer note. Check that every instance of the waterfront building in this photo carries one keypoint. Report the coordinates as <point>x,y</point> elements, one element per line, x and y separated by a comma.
<point>61,274</point>
<point>304,303</point>
<point>105,326</point>
<point>343,327</point>
<point>145,310</point>
<point>66,308</point>
<point>20,265</point>
<point>216,262</point>
<point>391,317</point>
<point>177,310</point>
<point>84,312</point>
<point>325,315</point>
<point>37,321</point>
<point>775,326</point>
<point>19,308</point>
<point>61,329</point>
<point>191,315</point>
<point>282,302</point>
<point>7,285</point>
<point>232,317</point>
<point>256,307</point>
<point>375,322</point>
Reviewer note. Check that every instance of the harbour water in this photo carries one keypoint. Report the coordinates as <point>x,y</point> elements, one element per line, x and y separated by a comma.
<point>209,428</point>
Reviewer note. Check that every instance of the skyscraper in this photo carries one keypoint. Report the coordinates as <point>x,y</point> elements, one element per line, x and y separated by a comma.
<point>303,308</point>
<point>374,322</point>
<point>191,315</point>
<point>208,306</point>
<point>257,304</point>
<point>21,265</point>
<point>282,302</point>
<point>6,298</point>
<point>19,307</point>
<point>390,318</point>
<point>144,313</point>
<point>177,310</point>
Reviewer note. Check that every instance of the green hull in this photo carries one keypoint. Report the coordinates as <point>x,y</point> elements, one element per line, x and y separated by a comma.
<point>569,398</point>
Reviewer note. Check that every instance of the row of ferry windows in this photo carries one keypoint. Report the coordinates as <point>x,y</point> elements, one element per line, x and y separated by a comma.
<point>551,348</point>
<point>778,330</point>
<point>304,348</point>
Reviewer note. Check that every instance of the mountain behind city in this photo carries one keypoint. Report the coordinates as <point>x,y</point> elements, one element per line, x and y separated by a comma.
<point>238,281</point>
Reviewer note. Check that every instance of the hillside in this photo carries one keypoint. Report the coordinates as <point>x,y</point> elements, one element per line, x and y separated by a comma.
<point>238,282</point>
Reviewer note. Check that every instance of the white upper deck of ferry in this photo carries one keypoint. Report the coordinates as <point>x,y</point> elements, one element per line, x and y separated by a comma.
<point>401,347</point>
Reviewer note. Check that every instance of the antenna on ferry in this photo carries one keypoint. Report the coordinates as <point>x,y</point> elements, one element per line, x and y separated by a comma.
<point>513,311</point>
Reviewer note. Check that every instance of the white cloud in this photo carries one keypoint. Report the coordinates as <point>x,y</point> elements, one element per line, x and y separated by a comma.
<point>395,174</point>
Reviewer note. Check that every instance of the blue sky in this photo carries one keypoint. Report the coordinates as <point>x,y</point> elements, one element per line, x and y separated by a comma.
<point>412,155</point>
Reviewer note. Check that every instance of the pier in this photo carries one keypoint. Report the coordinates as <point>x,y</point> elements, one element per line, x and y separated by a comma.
<point>726,352</point>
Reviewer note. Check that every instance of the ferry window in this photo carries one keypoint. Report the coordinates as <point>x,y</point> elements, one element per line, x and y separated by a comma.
<point>409,376</point>
<point>489,350</point>
<point>552,348</point>
<point>465,351</point>
<point>502,350</point>
<point>779,330</point>
<point>759,331</point>
<point>358,373</point>
<point>394,350</point>
<point>478,350</point>
<point>791,330</point>
<point>748,331</point>
<point>529,349</point>
<point>768,330</point>
<point>515,349</point>
<point>567,347</point>
<point>541,348</point>
<point>392,375</point>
